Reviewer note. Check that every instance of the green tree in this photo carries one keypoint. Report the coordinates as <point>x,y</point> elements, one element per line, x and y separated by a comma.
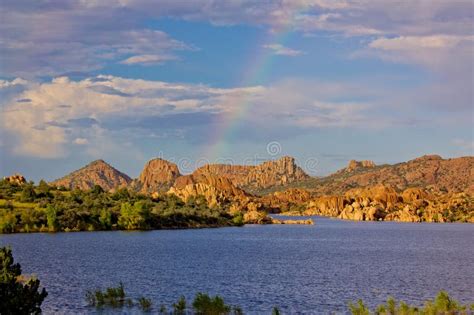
<point>8,221</point>
<point>105,219</point>
<point>44,189</point>
<point>28,193</point>
<point>238,219</point>
<point>96,190</point>
<point>17,296</point>
<point>52,218</point>
<point>134,217</point>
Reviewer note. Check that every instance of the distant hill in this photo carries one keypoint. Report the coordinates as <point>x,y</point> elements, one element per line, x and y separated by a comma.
<point>430,172</point>
<point>95,173</point>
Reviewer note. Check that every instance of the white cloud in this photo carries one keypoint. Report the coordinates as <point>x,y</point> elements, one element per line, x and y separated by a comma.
<point>436,52</point>
<point>81,141</point>
<point>10,83</point>
<point>279,49</point>
<point>409,43</point>
<point>147,59</point>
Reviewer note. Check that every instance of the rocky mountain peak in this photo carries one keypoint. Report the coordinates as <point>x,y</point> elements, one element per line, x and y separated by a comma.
<point>97,172</point>
<point>158,175</point>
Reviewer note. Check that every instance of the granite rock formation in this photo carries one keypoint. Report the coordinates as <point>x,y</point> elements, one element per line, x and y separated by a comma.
<point>279,172</point>
<point>158,175</point>
<point>15,179</point>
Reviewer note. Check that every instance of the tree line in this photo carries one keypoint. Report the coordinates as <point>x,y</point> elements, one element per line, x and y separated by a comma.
<point>43,208</point>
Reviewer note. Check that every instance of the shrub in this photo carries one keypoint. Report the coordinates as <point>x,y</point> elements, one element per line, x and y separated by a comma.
<point>145,304</point>
<point>442,304</point>
<point>180,306</point>
<point>359,308</point>
<point>112,296</point>
<point>206,305</point>
<point>238,219</point>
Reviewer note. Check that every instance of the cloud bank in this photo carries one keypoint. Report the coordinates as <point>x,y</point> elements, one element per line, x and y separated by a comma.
<point>64,113</point>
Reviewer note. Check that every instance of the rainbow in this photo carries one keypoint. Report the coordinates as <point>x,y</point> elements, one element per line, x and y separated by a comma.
<point>257,69</point>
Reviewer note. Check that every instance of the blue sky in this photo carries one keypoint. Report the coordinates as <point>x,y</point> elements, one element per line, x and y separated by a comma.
<point>208,81</point>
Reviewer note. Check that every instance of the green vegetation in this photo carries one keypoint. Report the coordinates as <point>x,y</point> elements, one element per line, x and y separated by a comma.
<point>145,304</point>
<point>442,304</point>
<point>180,306</point>
<point>115,297</point>
<point>18,295</point>
<point>203,304</point>
<point>42,208</point>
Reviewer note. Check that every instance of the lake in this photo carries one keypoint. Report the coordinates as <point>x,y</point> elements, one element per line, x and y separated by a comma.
<point>306,269</point>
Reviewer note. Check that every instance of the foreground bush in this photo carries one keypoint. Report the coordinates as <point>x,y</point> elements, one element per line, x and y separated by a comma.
<point>442,304</point>
<point>115,297</point>
<point>17,296</point>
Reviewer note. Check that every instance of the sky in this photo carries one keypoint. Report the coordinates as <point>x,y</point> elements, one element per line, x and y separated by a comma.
<point>232,81</point>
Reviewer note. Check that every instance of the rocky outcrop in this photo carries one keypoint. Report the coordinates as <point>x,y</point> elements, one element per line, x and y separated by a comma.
<point>431,173</point>
<point>357,165</point>
<point>17,179</point>
<point>384,203</point>
<point>326,205</point>
<point>286,201</point>
<point>96,173</point>
<point>158,175</point>
<point>218,191</point>
<point>288,221</point>
<point>256,217</point>
<point>382,194</point>
<point>253,178</point>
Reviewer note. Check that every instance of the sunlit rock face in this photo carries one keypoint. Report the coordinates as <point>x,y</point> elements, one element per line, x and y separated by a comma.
<point>157,175</point>
<point>95,173</point>
<point>268,174</point>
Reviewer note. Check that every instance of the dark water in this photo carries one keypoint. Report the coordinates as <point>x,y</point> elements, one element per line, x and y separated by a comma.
<point>299,268</point>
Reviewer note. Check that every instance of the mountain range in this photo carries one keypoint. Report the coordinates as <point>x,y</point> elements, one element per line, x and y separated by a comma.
<point>428,188</point>
<point>158,175</point>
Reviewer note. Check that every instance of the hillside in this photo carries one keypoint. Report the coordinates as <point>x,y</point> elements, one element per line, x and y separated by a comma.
<point>430,172</point>
<point>95,173</point>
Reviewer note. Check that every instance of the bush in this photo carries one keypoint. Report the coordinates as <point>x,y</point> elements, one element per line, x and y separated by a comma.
<point>17,296</point>
<point>238,219</point>
<point>180,306</point>
<point>204,304</point>
<point>145,304</point>
<point>442,304</point>
<point>112,296</point>
<point>28,193</point>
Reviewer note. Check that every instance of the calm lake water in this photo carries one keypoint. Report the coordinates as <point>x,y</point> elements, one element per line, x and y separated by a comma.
<point>302,269</point>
